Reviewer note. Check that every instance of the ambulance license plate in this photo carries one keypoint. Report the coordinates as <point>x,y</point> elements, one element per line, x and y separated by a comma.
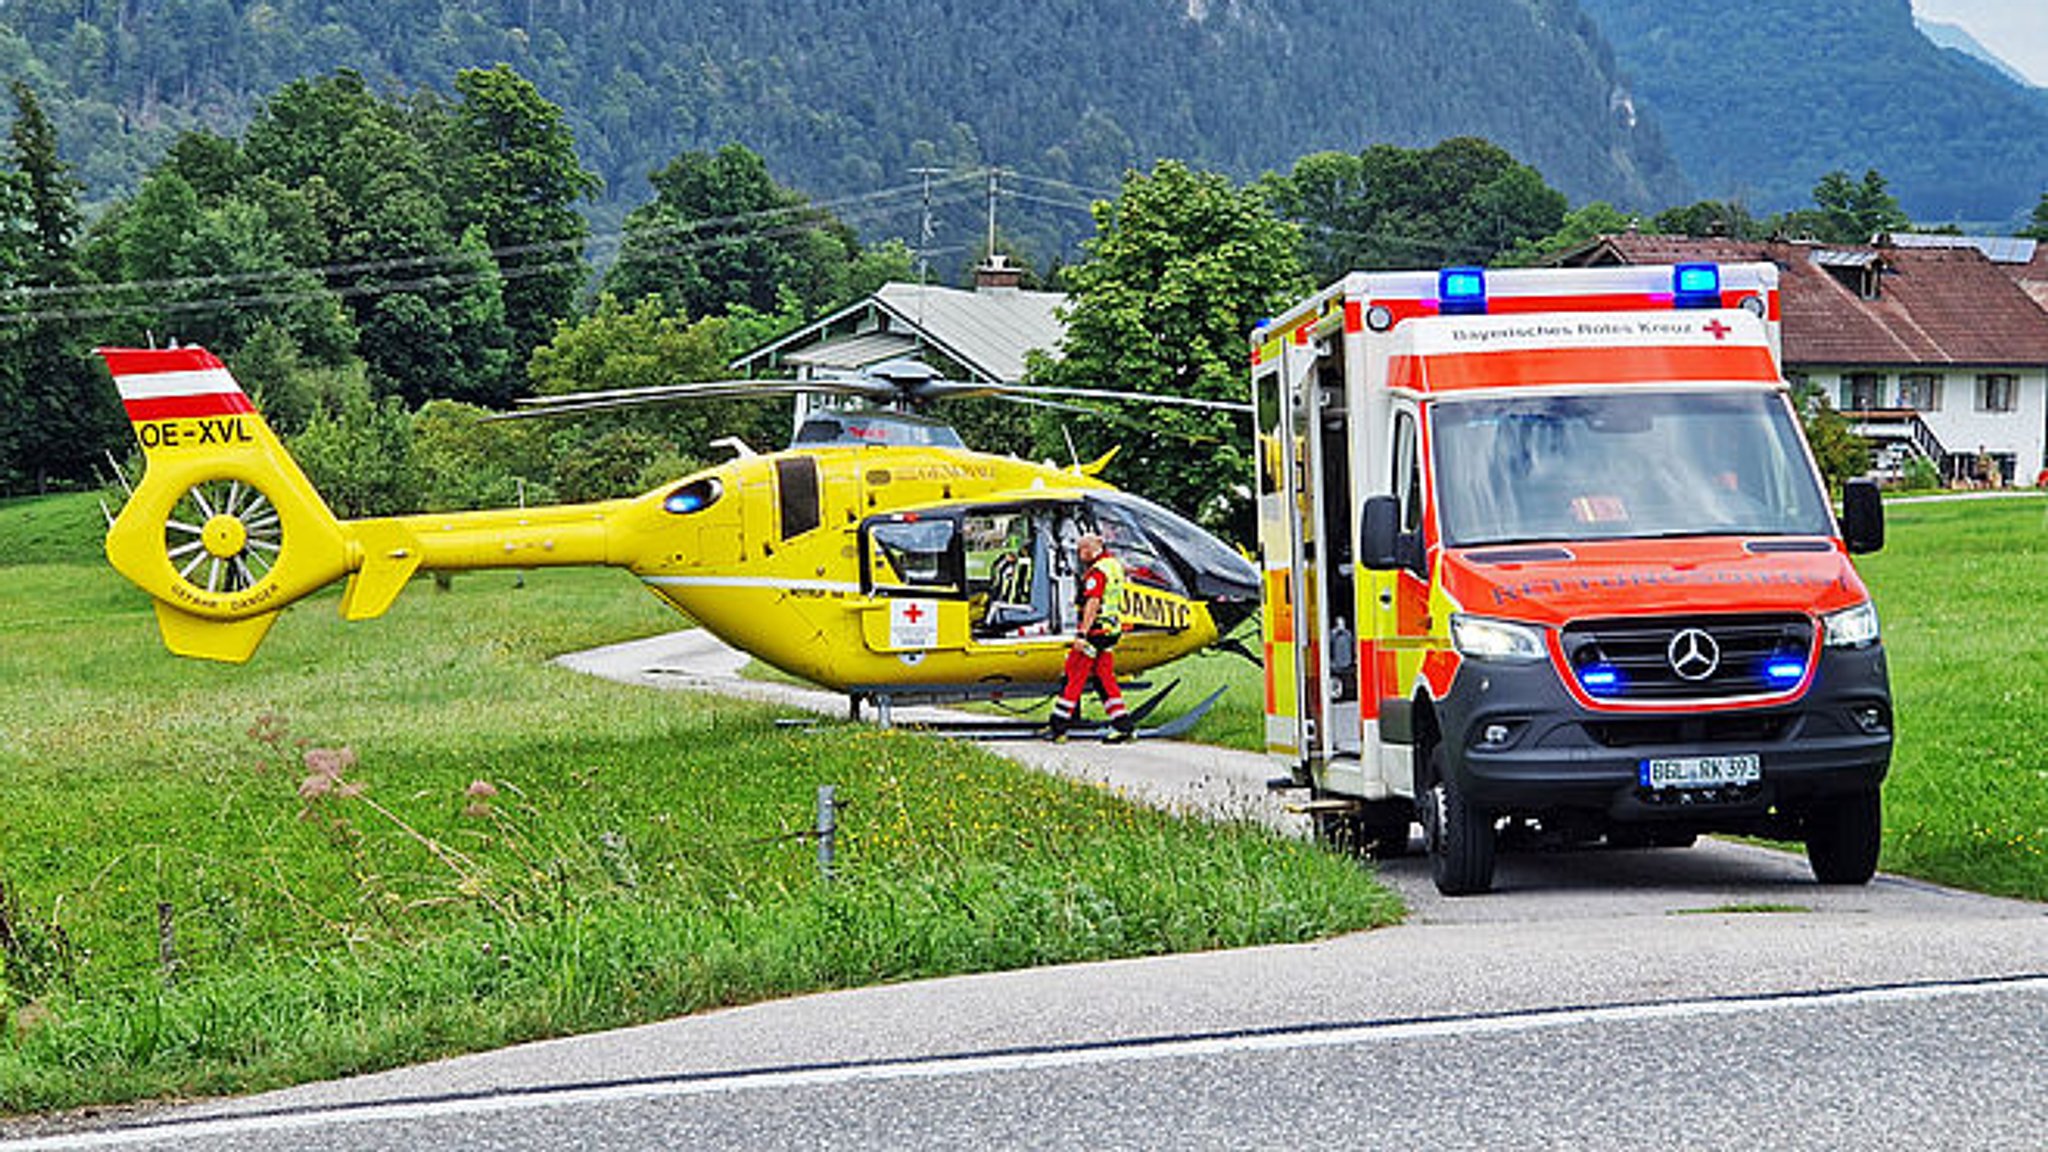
<point>1700,771</point>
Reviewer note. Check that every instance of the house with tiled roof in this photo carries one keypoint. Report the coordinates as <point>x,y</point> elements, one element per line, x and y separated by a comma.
<point>1932,350</point>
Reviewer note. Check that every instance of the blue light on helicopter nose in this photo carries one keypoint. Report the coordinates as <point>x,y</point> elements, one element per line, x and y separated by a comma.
<point>1784,671</point>
<point>1461,291</point>
<point>1696,286</point>
<point>694,496</point>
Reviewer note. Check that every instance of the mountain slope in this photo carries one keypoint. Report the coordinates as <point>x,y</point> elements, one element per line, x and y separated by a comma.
<point>1955,36</point>
<point>845,96</point>
<point>1760,98</point>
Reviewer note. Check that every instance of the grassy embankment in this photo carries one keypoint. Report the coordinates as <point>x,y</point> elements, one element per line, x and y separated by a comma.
<point>201,891</point>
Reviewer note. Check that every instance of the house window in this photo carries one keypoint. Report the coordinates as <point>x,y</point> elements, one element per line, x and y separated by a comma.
<point>1860,391</point>
<point>1996,392</point>
<point>1920,391</point>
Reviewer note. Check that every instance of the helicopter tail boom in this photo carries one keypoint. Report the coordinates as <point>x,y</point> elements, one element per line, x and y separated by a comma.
<point>225,530</point>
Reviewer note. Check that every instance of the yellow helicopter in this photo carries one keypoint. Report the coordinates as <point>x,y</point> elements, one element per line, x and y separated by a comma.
<point>876,556</point>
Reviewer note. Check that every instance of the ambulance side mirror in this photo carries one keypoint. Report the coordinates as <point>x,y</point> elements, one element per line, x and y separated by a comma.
<point>1862,517</point>
<point>1382,546</point>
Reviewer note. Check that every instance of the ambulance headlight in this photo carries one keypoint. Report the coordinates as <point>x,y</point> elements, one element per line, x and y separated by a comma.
<point>1851,627</point>
<point>1503,641</point>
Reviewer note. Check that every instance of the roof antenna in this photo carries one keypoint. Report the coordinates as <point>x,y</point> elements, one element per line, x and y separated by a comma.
<point>1071,454</point>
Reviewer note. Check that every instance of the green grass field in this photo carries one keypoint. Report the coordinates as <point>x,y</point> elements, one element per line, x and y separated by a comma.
<point>384,842</point>
<point>1962,589</point>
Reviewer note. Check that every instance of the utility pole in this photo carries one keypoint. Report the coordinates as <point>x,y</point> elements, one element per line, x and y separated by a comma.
<point>926,231</point>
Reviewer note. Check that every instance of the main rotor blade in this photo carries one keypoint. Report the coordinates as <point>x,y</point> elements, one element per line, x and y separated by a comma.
<point>573,403</point>
<point>715,390</point>
<point>1112,394</point>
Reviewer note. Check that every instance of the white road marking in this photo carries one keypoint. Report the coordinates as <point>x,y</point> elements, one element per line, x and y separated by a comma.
<point>942,1067</point>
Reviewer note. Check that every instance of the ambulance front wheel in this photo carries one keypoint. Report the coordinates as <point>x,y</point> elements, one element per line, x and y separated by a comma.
<point>1843,835</point>
<point>1460,834</point>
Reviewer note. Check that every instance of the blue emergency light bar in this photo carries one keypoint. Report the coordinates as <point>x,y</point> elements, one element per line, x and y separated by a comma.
<point>1461,292</point>
<point>1600,679</point>
<point>1696,286</point>
<point>1784,672</point>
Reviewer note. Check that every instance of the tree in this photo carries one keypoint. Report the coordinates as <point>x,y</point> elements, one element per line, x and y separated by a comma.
<point>357,451</point>
<point>2037,224</point>
<point>1463,201</point>
<point>644,345</point>
<point>1846,211</point>
<point>1580,226</point>
<point>1708,218</point>
<point>60,413</point>
<point>52,191</point>
<point>1841,454</point>
<point>515,174</point>
<point>721,233</point>
<point>1182,265</point>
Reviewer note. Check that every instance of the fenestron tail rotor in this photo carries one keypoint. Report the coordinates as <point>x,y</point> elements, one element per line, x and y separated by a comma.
<point>223,536</point>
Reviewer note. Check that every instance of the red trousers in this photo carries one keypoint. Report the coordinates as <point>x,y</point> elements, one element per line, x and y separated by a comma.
<point>1080,669</point>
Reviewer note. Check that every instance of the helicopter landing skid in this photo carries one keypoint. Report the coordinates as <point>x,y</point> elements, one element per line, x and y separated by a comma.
<point>1036,729</point>
<point>886,700</point>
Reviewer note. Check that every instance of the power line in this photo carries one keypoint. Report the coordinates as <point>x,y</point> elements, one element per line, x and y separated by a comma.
<point>843,205</point>
<point>452,270</point>
<point>461,264</point>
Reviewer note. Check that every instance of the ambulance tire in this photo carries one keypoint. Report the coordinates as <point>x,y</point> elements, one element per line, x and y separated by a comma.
<point>1461,835</point>
<point>1843,836</point>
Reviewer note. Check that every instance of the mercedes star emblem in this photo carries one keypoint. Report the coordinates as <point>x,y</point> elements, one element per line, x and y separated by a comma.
<point>1693,654</point>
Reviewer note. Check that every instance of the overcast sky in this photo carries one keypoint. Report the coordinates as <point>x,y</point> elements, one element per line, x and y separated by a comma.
<point>2015,30</point>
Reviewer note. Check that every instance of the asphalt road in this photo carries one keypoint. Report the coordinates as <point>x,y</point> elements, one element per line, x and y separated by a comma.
<point>1711,997</point>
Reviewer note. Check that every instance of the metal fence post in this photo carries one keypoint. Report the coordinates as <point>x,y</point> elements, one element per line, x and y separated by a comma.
<point>828,826</point>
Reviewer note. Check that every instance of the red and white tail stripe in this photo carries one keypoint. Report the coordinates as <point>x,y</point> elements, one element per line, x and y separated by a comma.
<point>174,383</point>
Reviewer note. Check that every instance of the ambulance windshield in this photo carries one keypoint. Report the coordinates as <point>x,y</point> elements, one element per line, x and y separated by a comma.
<point>1626,465</point>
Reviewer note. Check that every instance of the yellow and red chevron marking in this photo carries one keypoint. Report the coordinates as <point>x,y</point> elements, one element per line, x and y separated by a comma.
<point>174,384</point>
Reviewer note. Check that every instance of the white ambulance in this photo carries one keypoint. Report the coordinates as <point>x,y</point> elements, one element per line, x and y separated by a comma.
<point>1546,557</point>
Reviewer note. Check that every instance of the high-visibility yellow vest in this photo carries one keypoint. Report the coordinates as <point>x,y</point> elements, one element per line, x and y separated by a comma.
<point>1109,618</point>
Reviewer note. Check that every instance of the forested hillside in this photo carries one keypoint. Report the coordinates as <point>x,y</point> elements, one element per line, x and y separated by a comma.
<point>1760,97</point>
<point>847,96</point>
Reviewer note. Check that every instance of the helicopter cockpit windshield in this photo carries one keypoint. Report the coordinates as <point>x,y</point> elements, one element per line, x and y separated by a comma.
<point>1164,550</point>
<point>874,427</point>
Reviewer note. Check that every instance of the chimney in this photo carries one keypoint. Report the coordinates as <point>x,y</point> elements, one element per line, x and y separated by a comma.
<point>997,275</point>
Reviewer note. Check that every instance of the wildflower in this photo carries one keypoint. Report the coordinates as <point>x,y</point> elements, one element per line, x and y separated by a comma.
<point>324,768</point>
<point>480,792</point>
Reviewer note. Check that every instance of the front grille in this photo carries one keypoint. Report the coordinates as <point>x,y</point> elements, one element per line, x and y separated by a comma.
<point>1741,728</point>
<point>1632,659</point>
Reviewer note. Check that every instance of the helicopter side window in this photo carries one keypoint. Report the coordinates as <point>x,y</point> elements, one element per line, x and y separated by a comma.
<point>796,483</point>
<point>913,557</point>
